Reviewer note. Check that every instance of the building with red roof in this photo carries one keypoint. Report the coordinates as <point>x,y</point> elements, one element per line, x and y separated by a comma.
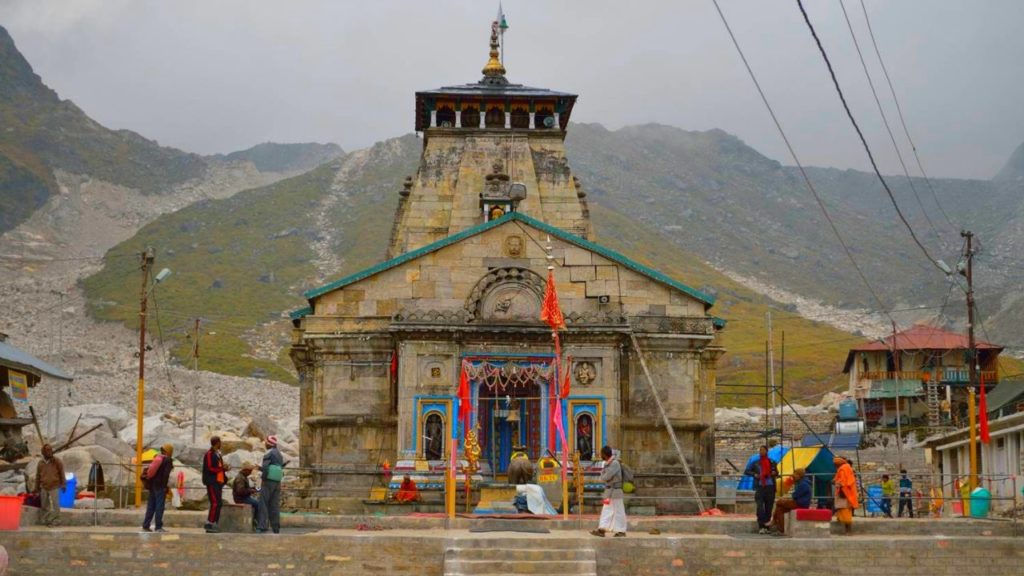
<point>920,373</point>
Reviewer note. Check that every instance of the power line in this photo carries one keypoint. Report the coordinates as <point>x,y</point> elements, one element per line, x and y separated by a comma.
<point>899,111</point>
<point>888,129</point>
<point>796,160</point>
<point>864,142</point>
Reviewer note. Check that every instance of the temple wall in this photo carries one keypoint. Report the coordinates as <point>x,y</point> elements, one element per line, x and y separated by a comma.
<point>444,279</point>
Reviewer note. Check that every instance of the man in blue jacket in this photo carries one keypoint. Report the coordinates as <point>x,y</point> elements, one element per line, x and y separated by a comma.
<point>801,498</point>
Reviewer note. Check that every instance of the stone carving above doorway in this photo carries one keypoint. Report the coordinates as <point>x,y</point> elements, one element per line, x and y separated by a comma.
<point>585,372</point>
<point>507,295</point>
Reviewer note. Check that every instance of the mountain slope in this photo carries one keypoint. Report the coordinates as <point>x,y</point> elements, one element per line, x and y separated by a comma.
<point>1013,170</point>
<point>723,201</point>
<point>42,133</point>
<point>274,157</point>
<point>240,262</point>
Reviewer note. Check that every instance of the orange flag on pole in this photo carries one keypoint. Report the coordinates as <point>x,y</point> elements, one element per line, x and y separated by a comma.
<point>550,312</point>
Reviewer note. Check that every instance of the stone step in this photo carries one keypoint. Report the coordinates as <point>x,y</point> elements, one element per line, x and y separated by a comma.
<point>520,560</point>
<point>543,542</point>
<point>525,554</point>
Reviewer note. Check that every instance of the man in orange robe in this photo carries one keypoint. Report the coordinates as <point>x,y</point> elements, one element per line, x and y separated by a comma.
<point>846,493</point>
<point>407,491</point>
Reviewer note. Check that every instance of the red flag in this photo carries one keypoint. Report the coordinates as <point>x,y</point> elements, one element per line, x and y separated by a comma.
<point>550,312</point>
<point>464,398</point>
<point>983,414</point>
<point>394,365</point>
<point>566,383</point>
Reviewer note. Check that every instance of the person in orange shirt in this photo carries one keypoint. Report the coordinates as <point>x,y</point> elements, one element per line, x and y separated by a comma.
<point>846,493</point>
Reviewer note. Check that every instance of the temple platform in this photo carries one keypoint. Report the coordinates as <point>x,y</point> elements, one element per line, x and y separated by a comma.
<point>423,546</point>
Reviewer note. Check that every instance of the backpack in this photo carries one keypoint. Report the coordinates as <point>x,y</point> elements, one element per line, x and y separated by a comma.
<point>150,470</point>
<point>627,472</point>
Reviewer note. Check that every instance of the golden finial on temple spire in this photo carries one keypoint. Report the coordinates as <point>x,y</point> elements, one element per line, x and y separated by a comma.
<point>494,67</point>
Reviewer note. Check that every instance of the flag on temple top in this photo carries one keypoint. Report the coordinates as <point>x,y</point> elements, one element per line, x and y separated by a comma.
<point>983,414</point>
<point>502,23</point>
<point>550,312</point>
<point>464,398</point>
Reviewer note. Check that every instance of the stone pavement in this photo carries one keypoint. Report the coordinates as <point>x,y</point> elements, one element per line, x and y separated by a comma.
<point>306,550</point>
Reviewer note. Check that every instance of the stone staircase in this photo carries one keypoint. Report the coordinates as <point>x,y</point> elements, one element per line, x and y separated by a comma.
<point>520,556</point>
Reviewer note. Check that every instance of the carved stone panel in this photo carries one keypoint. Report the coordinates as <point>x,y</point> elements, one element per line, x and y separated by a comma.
<point>586,372</point>
<point>507,295</point>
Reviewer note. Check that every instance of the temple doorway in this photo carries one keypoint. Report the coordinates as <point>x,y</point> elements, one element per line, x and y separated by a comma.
<point>511,407</point>
<point>509,421</point>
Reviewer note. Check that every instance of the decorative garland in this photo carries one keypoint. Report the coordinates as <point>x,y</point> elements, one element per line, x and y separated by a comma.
<point>498,375</point>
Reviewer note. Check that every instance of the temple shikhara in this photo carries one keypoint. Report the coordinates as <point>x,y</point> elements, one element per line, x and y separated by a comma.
<point>491,209</point>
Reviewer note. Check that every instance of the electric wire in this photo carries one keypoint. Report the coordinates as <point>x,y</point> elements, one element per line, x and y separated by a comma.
<point>888,129</point>
<point>796,160</point>
<point>903,122</point>
<point>864,142</point>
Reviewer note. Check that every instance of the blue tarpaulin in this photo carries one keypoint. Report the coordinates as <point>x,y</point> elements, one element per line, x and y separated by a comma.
<point>775,454</point>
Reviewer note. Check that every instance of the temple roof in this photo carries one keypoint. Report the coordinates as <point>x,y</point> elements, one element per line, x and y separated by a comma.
<point>706,299</point>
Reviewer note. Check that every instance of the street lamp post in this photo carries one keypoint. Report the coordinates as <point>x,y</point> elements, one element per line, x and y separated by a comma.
<point>147,266</point>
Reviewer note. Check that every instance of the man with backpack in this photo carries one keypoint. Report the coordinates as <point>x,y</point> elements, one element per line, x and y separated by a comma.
<point>613,511</point>
<point>215,474</point>
<point>156,477</point>
<point>272,472</point>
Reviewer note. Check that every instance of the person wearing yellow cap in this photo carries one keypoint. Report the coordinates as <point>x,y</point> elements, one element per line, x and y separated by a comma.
<point>156,476</point>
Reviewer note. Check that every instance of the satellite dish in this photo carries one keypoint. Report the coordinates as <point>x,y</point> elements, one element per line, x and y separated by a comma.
<point>549,122</point>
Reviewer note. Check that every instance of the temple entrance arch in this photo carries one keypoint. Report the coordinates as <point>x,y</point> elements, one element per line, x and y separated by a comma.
<point>511,406</point>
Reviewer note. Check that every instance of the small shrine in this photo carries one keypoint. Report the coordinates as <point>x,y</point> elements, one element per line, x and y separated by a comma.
<point>492,210</point>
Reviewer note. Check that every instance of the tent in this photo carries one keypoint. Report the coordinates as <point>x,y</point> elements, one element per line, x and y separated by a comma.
<point>775,454</point>
<point>816,460</point>
<point>147,455</point>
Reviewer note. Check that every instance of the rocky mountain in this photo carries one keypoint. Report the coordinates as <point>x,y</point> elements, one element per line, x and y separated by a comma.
<point>753,217</point>
<point>1013,170</point>
<point>274,157</point>
<point>41,133</point>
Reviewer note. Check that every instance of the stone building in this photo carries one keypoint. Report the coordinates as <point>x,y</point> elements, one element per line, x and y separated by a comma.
<point>492,205</point>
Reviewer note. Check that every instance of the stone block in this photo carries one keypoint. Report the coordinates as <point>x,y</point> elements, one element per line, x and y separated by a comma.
<point>582,273</point>
<point>607,272</point>
<point>574,256</point>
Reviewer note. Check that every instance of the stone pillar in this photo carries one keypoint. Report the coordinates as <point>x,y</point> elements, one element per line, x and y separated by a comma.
<point>483,115</point>
<point>508,120</point>
<point>533,124</point>
<point>433,118</point>
<point>458,118</point>
<point>558,123</point>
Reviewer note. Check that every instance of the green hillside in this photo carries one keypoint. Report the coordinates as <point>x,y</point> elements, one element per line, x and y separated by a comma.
<point>241,262</point>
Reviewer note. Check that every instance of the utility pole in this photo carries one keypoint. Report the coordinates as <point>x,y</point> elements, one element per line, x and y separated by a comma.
<point>147,266</point>
<point>972,359</point>
<point>899,425</point>
<point>195,382</point>
<point>771,369</point>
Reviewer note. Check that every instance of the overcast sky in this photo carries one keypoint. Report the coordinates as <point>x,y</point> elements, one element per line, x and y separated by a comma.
<point>219,75</point>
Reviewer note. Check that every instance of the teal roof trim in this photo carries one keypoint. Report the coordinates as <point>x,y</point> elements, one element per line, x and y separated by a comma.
<point>719,322</point>
<point>300,313</point>
<point>706,299</point>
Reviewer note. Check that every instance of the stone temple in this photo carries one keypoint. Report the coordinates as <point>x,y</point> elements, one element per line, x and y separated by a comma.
<point>380,352</point>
